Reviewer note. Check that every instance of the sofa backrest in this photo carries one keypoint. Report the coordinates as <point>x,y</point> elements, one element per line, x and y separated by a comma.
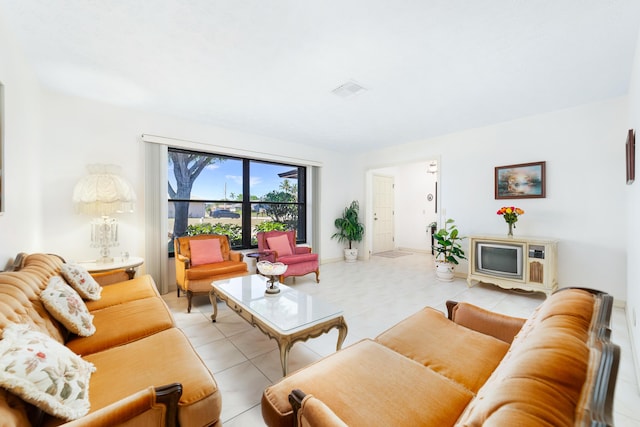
<point>548,375</point>
<point>20,295</point>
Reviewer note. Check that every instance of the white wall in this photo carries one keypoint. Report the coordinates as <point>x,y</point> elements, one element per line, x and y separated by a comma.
<point>20,224</point>
<point>413,211</point>
<point>584,151</point>
<point>633,213</point>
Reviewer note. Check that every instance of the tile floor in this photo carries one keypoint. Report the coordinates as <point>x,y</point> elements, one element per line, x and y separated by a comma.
<point>375,295</point>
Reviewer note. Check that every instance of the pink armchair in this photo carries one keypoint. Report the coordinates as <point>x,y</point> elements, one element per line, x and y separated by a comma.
<point>280,246</point>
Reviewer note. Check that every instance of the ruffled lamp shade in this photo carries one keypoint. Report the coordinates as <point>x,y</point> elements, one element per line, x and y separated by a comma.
<point>103,192</point>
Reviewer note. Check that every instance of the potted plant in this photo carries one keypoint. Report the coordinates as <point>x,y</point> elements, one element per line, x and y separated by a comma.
<point>448,250</point>
<point>350,229</point>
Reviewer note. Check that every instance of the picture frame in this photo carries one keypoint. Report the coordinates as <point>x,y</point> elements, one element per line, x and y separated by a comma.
<point>520,181</point>
<point>630,149</point>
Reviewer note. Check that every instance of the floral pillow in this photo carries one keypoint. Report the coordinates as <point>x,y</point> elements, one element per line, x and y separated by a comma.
<point>79,278</point>
<point>63,303</point>
<point>44,372</point>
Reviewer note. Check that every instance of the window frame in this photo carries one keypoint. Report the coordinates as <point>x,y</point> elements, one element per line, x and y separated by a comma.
<point>246,202</point>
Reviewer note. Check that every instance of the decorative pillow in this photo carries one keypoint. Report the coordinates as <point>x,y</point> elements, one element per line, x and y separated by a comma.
<point>280,244</point>
<point>45,373</point>
<point>67,307</point>
<point>205,251</point>
<point>79,278</point>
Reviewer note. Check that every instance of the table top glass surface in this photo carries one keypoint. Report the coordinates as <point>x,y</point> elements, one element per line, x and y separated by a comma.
<point>118,262</point>
<point>287,310</point>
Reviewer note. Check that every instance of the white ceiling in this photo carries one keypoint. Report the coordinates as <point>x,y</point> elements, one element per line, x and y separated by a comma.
<point>268,66</point>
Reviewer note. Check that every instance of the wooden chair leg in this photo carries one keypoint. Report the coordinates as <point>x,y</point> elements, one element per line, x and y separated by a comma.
<point>317,276</point>
<point>178,290</point>
<point>189,295</point>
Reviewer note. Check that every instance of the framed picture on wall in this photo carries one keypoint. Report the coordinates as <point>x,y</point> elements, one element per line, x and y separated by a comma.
<point>522,181</point>
<point>631,156</point>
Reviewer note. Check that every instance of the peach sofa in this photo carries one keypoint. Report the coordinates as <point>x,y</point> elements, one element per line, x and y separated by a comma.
<point>146,371</point>
<point>475,368</point>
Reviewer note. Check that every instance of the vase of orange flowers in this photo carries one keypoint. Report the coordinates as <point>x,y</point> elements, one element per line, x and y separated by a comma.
<point>510,215</point>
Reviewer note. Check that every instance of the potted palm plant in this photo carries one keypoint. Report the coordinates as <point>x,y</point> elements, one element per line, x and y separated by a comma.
<point>350,229</point>
<point>449,251</point>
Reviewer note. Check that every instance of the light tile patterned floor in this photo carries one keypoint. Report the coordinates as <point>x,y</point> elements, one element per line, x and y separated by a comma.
<point>375,295</point>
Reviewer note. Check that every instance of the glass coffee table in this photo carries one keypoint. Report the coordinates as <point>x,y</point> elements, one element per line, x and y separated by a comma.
<point>287,317</point>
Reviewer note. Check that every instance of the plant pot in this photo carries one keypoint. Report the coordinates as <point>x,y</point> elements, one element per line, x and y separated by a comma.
<point>351,255</point>
<point>444,271</point>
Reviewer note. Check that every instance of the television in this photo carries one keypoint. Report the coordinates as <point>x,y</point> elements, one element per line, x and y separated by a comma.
<point>500,259</point>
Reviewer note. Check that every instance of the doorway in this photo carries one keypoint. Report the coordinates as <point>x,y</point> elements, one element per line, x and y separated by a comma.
<point>402,201</point>
<point>383,213</point>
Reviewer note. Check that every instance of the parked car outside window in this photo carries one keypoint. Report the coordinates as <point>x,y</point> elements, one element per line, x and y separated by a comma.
<point>225,213</point>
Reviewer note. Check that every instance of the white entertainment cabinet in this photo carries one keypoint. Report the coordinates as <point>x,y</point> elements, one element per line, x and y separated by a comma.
<point>540,269</point>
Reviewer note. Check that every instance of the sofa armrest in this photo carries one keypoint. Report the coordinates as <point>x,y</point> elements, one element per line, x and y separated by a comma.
<point>311,411</point>
<point>236,256</point>
<point>487,322</point>
<point>105,278</point>
<point>302,250</point>
<point>184,260</point>
<point>152,406</point>
<point>268,255</point>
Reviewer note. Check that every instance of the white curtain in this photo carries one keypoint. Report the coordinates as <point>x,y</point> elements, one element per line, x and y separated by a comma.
<point>155,202</point>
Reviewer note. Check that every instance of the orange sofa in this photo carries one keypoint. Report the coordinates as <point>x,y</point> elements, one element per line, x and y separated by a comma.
<point>146,370</point>
<point>475,368</point>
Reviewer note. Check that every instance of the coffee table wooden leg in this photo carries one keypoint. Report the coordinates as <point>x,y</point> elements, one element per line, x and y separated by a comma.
<point>342,334</point>
<point>284,355</point>
<point>214,303</point>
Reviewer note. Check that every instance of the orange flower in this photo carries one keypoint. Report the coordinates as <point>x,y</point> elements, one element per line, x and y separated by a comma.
<point>510,213</point>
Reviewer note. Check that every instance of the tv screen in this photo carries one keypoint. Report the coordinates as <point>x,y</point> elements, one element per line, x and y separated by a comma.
<point>499,259</point>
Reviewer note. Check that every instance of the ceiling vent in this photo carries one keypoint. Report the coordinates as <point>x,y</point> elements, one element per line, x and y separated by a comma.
<point>348,89</point>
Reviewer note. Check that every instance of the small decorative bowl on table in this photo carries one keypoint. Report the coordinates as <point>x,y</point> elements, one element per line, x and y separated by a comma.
<point>273,270</point>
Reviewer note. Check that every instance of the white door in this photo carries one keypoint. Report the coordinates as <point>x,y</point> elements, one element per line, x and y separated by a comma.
<point>383,224</point>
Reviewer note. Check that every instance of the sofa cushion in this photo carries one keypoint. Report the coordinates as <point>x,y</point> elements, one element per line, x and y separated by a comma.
<point>163,358</point>
<point>122,292</point>
<point>207,271</point>
<point>428,337</point>
<point>359,386</point>
<point>44,373</point>
<point>206,251</point>
<point>67,307</point>
<point>280,244</point>
<point>123,323</point>
<point>79,278</point>
<point>296,259</point>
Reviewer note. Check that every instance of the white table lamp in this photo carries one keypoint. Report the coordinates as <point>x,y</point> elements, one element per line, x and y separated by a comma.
<point>102,193</point>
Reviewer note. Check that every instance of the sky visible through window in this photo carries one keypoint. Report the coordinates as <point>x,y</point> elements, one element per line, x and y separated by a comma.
<point>223,176</point>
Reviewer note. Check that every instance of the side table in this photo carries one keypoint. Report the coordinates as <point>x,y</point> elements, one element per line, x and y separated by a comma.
<point>130,265</point>
<point>256,256</point>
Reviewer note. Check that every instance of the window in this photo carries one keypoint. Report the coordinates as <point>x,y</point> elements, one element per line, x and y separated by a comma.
<point>238,197</point>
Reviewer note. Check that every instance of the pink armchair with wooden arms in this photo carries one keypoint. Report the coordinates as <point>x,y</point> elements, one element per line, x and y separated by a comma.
<point>280,246</point>
<point>202,259</point>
